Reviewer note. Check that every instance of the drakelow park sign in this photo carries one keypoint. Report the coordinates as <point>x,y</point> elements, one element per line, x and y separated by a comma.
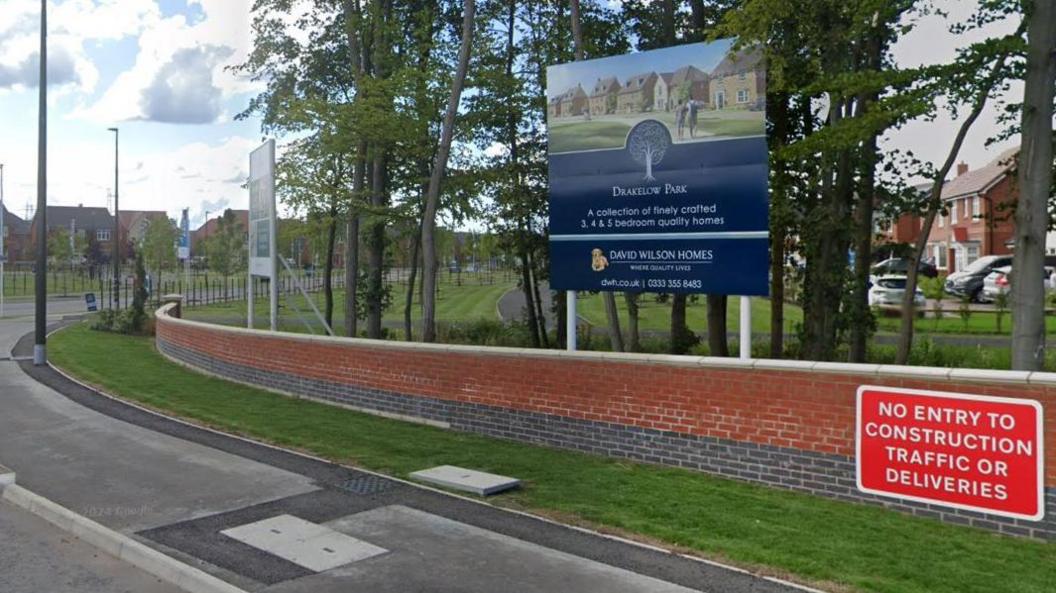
<point>658,172</point>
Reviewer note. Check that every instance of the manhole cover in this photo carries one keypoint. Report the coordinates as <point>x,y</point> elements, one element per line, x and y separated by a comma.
<point>366,485</point>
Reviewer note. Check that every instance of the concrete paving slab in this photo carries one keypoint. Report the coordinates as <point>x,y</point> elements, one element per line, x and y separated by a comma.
<point>304,543</point>
<point>431,553</point>
<point>36,556</point>
<point>466,480</point>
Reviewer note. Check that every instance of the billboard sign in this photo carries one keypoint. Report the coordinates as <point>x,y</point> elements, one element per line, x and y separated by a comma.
<point>184,245</point>
<point>658,171</point>
<point>262,210</point>
<point>969,452</point>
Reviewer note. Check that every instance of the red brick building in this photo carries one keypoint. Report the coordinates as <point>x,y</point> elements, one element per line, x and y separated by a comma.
<point>978,222</point>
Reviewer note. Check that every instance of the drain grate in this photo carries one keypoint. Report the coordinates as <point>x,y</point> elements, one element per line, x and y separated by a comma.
<point>366,485</point>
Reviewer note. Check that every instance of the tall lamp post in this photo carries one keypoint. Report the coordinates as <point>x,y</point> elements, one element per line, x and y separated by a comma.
<point>3,237</point>
<point>116,256</point>
<point>40,356</point>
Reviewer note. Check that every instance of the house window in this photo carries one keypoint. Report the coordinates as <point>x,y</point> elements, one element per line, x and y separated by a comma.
<point>102,235</point>
<point>743,76</point>
<point>953,211</point>
<point>942,221</point>
<point>977,207</point>
<point>941,249</point>
<point>742,96</point>
<point>973,253</point>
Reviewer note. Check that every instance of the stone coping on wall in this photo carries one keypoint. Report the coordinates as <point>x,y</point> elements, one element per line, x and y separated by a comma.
<point>959,375</point>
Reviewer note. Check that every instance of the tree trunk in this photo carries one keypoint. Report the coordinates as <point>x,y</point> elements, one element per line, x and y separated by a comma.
<point>613,315</point>
<point>328,268</point>
<point>682,339</point>
<point>905,335</point>
<point>408,307</point>
<point>668,21</point>
<point>352,246</point>
<point>718,344</point>
<point>376,251</point>
<point>577,32</point>
<point>432,202</point>
<point>544,337</point>
<point>529,299</point>
<point>634,341</point>
<point>1035,172</point>
<point>861,322</point>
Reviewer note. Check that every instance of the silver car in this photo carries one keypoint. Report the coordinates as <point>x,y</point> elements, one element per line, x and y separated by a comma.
<point>999,282</point>
<point>887,291</point>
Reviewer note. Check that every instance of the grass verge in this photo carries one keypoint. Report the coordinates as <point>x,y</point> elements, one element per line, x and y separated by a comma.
<point>835,545</point>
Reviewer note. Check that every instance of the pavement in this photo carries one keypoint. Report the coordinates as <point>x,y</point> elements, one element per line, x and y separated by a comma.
<point>37,556</point>
<point>185,491</point>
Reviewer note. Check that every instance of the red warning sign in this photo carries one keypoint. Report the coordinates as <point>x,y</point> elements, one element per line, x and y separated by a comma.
<point>963,451</point>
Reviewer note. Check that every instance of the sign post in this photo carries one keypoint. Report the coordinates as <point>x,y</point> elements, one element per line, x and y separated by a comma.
<point>184,249</point>
<point>969,452</point>
<point>263,259</point>
<point>659,175</point>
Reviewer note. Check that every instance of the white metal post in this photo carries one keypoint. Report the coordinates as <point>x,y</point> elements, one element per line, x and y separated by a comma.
<point>570,322</point>
<point>2,237</point>
<point>249,301</point>
<point>746,327</point>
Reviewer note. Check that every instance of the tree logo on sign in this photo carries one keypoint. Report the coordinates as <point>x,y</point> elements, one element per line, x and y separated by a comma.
<point>648,142</point>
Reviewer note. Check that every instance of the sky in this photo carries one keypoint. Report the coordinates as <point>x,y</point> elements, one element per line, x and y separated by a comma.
<point>158,70</point>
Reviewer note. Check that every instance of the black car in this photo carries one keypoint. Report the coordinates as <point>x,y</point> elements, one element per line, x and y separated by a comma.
<point>899,266</point>
<point>968,283</point>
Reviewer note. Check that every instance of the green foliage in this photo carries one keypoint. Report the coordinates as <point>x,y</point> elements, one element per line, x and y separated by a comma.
<point>964,311</point>
<point>159,244</point>
<point>1001,302</point>
<point>226,249</point>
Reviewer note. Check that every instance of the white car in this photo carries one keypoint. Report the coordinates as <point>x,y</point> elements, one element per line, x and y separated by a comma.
<point>1000,282</point>
<point>887,291</point>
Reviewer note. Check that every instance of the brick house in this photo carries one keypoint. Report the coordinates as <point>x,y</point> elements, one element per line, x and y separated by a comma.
<point>93,223</point>
<point>16,237</point>
<point>553,108</point>
<point>689,82</point>
<point>574,102</point>
<point>663,97</point>
<point>739,81</point>
<point>134,223</point>
<point>603,96</point>
<point>979,222</point>
<point>212,226</point>
<point>637,95</point>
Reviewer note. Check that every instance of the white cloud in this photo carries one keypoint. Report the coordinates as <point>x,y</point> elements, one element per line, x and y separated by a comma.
<point>221,38</point>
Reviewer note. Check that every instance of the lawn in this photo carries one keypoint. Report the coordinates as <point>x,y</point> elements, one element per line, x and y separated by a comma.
<point>836,545</point>
<point>588,135</point>
<point>474,299</point>
<point>977,322</point>
<point>656,317</point>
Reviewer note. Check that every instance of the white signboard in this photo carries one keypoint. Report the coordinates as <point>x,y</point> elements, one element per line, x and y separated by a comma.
<point>262,211</point>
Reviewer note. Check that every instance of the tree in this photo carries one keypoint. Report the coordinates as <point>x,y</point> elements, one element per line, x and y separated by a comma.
<point>432,199</point>
<point>647,143</point>
<point>1035,179</point>
<point>225,249</point>
<point>60,248</point>
<point>159,245</point>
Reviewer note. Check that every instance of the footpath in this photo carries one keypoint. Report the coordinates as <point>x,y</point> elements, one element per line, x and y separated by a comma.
<point>211,512</point>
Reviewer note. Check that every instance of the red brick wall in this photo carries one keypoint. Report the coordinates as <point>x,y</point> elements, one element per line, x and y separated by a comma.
<point>798,405</point>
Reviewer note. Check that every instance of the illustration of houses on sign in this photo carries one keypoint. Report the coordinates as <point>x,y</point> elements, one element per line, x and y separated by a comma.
<point>574,102</point>
<point>553,108</point>
<point>663,99</point>
<point>689,82</point>
<point>739,81</point>
<point>603,96</point>
<point>637,94</point>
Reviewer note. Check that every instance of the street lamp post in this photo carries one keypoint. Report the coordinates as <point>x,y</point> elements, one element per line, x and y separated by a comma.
<point>116,255</point>
<point>3,237</point>
<point>40,356</point>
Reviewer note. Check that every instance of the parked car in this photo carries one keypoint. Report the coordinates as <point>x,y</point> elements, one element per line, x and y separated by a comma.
<point>968,283</point>
<point>999,281</point>
<point>887,291</point>
<point>899,266</point>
